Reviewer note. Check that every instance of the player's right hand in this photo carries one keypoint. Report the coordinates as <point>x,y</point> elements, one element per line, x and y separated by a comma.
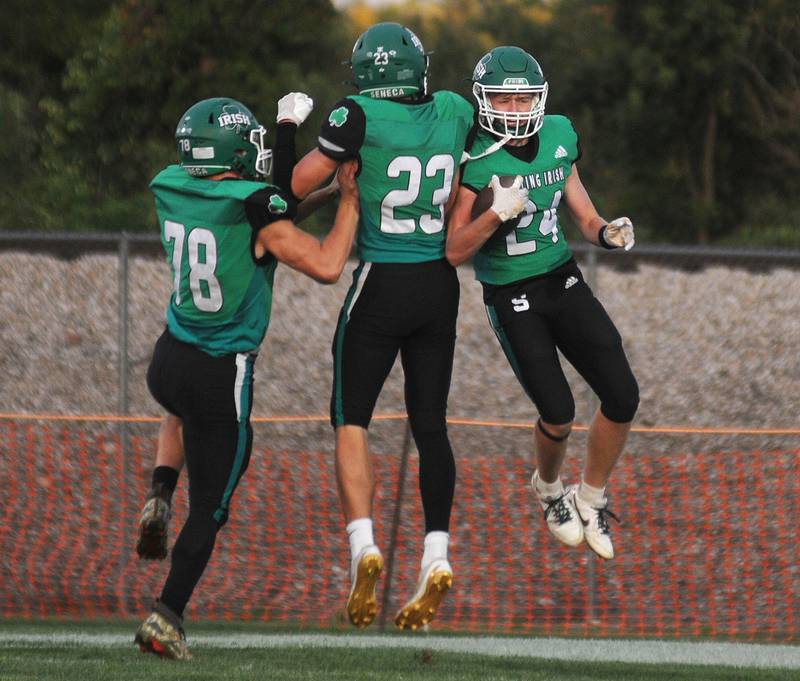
<point>508,202</point>
<point>294,108</point>
<point>346,180</point>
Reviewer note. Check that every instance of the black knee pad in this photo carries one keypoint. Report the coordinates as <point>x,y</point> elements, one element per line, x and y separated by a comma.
<point>549,434</point>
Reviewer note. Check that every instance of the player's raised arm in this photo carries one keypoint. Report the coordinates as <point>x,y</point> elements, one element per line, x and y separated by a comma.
<point>293,109</point>
<point>325,260</point>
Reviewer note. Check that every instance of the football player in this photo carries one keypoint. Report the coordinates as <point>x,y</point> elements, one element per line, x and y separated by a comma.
<point>224,230</point>
<point>535,295</point>
<point>408,145</point>
<point>151,543</point>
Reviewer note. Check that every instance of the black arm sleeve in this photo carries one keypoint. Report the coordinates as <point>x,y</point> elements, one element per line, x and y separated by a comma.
<point>343,131</point>
<point>284,156</point>
<point>267,205</point>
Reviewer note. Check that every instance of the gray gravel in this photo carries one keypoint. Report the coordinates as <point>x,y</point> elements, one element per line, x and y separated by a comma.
<point>710,348</point>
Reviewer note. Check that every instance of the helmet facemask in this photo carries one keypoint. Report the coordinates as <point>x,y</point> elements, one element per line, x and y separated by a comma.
<point>512,124</point>
<point>263,164</point>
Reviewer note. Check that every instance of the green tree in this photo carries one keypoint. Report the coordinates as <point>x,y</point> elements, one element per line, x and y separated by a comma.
<point>38,40</point>
<point>128,85</point>
<point>709,109</point>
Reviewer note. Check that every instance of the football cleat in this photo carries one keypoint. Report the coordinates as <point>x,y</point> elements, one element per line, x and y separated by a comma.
<point>159,636</point>
<point>365,569</point>
<point>595,524</point>
<point>153,525</point>
<point>434,583</point>
<point>560,515</point>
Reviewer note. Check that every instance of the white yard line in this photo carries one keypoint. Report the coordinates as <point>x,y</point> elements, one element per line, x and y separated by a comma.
<point>596,650</point>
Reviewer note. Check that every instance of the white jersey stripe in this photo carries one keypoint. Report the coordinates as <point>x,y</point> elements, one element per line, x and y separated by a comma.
<point>241,368</point>
<point>359,285</point>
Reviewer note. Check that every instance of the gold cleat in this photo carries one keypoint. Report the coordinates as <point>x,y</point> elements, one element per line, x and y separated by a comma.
<point>362,605</point>
<point>159,636</point>
<point>434,583</point>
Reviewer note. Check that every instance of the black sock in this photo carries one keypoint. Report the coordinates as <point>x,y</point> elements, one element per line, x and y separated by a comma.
<point>165,478</point>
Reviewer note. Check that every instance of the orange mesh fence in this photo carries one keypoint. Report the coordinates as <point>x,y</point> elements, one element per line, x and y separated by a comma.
<point>707,548</point>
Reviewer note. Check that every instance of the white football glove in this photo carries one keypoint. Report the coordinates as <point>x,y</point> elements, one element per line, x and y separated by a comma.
<point>508,202</point>
<point>619,233</point>
<point>294,107</point>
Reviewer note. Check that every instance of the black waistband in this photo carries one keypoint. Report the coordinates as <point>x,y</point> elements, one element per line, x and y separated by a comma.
<point>560,271</point>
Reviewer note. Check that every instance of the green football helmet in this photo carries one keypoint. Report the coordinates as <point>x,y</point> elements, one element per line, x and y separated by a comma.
<point>389,61</point>
<point>509,70</point>
<point>222,134</point>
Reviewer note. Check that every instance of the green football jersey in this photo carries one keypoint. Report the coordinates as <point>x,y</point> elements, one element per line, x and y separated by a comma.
<point>409,156</point>
<point>221,298</point>
<point>537,245</point>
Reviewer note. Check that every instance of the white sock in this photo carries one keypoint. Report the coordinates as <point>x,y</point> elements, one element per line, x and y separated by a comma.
<point>435,547</point>
<point>359,531</point>
<point>549,489</point>
<point>594,496</point>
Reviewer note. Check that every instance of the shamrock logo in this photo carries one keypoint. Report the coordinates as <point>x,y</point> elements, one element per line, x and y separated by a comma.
<point>338,117</point>
<point>277,204</point>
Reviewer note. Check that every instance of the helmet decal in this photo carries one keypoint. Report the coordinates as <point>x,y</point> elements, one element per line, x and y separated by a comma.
<point>233,119</point>
<point>480,67</point>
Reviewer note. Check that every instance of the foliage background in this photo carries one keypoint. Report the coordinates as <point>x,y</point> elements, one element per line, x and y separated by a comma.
<point>687,109</point>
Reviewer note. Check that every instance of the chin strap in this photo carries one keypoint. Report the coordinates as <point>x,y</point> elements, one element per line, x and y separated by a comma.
<point>494,147</point>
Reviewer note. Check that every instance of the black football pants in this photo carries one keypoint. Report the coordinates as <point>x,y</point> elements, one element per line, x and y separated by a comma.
<point>558,311</point>
<point>213,397</point>
<point>411,309</point>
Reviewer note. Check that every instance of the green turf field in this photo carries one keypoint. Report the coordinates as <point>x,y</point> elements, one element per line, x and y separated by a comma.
<point>80,652</point>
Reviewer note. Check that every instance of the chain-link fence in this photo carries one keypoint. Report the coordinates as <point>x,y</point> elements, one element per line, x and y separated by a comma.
<point>712,335</point>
